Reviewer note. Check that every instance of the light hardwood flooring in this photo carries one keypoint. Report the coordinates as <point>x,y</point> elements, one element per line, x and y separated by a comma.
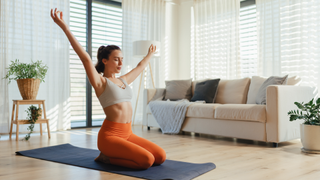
<point>234,158</point>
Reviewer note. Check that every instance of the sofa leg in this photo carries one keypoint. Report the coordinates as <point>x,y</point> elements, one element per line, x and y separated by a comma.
<point>275,145</point>
<point>148,127</point>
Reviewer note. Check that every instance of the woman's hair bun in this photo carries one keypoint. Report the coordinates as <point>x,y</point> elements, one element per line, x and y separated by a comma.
<point>104,53</point>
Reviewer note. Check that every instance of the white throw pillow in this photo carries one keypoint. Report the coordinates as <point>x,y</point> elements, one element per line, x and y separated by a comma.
<point>294,80</point>
<point>233,91</point>
<point>257,81</point>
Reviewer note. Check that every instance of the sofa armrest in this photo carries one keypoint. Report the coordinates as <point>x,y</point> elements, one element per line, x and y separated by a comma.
<point>148,95</point>
<point>280,100</point>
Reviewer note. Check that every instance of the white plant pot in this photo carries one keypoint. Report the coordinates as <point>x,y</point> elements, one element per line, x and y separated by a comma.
<point>310,138</point>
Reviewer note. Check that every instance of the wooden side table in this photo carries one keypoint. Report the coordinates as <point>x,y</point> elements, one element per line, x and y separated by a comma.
<point>24,121</point>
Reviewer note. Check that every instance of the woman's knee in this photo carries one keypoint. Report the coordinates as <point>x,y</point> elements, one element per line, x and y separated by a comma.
<point>146,161</point>
<point>160,157</point>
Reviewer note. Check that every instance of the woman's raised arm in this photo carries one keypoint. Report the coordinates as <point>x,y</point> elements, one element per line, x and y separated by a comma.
<point>93,75</point>
<point>134,73</point>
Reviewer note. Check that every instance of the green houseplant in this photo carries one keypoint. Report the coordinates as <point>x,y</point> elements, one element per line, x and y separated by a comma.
<point>33,114</point>
<point>28,77</point>
<point>309,112</point>
<point>310,129</point>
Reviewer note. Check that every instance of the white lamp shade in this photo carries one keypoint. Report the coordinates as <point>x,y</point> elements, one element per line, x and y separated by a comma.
<point>141,48</point>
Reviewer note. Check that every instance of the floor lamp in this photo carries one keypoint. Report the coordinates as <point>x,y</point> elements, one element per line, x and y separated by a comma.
<point>140,50</point>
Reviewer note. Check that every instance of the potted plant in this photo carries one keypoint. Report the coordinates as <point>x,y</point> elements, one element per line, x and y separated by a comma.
<point>28,77</point>
<point>310,129</point>
<point>33,115</point>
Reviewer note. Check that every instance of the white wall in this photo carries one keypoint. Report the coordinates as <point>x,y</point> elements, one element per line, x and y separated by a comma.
<point>184,39</point>
<point>172,40</point>
<point>178,29</point>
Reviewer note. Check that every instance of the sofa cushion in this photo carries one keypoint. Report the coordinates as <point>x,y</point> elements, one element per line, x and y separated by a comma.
<point>261,97</point>
<point>241,112</point>
<point>257,81</point>
<point>206,91</point>
<point>178,89</point>
<point>233,91</point>
<point>202,110</point>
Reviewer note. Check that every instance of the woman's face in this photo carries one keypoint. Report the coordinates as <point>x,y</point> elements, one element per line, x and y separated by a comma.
<point>114,63</point>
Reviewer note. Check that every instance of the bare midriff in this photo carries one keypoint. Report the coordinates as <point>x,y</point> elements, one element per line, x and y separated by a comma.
<point>120,112</point>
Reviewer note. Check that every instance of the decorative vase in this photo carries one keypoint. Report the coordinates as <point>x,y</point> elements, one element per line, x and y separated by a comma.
<point>28,88</point>
<point>310,138</point>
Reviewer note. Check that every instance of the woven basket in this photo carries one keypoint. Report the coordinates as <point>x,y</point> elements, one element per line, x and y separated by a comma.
<point>28,88</point>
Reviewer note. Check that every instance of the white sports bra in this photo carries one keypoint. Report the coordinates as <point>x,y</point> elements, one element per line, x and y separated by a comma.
<point>114,94</point>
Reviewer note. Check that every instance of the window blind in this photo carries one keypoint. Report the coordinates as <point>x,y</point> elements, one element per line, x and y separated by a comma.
<point>248,38</point>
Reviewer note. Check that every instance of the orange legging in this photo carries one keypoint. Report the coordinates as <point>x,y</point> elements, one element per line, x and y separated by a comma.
<point>124,148</point>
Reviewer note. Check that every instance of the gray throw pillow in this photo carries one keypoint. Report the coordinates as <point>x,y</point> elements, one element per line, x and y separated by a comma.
<point>206,91</point>
<point>178,89</point>
<point>273,80</point>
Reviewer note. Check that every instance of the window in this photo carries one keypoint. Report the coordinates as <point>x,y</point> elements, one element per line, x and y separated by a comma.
<point>248,38</point>
<point>106,29</point>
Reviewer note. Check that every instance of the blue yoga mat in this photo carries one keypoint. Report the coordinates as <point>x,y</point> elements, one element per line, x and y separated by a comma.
<point>68,154</point>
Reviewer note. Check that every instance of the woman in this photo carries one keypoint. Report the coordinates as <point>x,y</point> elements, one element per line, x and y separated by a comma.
<point>117,143</point>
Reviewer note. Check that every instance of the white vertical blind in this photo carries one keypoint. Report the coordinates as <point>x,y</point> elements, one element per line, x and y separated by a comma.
<point>216,53</point>
<point>248,40</point>
<point>289,38</point>
<point>300,40</point>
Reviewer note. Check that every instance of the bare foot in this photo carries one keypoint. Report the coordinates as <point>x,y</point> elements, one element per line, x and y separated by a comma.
<point>103,158</point>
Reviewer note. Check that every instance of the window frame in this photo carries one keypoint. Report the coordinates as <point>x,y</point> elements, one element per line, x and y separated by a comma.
<point>244,3</point>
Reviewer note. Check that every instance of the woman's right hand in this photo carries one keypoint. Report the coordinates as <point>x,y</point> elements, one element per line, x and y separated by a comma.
<point>58,20</point>
<point>152,49</point>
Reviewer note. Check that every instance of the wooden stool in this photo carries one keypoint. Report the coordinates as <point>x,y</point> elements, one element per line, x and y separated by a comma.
<point>24,121</point>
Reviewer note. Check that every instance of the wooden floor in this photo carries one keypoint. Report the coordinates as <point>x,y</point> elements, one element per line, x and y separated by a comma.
<point>235,159</point>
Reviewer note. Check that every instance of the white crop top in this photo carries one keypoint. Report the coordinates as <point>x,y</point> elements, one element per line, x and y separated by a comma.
<point>114,94</point>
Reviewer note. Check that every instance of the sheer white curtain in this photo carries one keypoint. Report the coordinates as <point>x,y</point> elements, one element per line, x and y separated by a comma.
<point>289,38</point>
<point>4,91</point>
<point>143,20</point>
<point>28,33</point>
<point>216,35</point>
